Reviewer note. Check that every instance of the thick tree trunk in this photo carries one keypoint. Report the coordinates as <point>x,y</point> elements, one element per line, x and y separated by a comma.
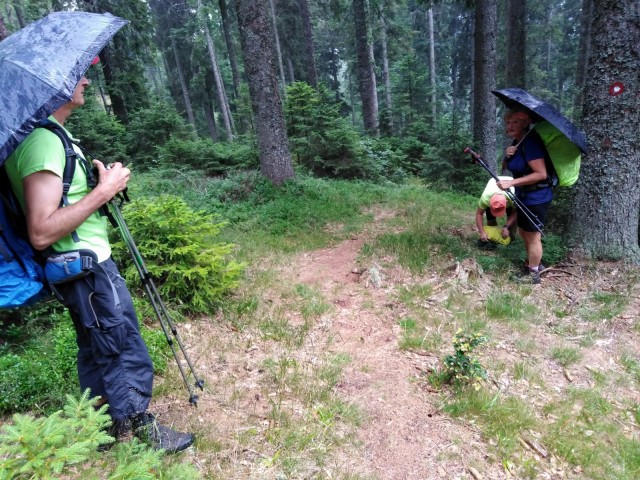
<point>584,51</point>
<point>278,51</point>
<point>516,44</point>
<point>607,199</point>
<point>432,65</point>
<point>257,46</point>
<point>484,131</point>
<point>231,51</point>
<point>366,74</point>
<point>312,74</point>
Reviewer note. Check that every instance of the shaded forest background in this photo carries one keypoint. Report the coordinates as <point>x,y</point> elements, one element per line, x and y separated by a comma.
<point>376,90</point>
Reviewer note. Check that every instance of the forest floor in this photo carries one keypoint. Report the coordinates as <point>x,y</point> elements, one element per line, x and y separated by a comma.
<point>319,384</point>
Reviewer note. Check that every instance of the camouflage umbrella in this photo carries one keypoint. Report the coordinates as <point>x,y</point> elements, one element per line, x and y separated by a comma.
<point>40,66</point>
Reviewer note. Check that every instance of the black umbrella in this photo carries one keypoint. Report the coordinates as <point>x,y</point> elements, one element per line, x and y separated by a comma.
<point>563,140</point>
<point>40,66</point>
<point>540,110</point>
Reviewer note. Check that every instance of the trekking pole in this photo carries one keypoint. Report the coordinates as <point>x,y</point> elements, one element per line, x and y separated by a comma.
<point>521,206</point>
<point>164,318</point>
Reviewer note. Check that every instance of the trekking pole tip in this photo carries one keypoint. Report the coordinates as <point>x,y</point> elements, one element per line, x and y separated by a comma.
<point>193,400</point>
<point>200,384</point>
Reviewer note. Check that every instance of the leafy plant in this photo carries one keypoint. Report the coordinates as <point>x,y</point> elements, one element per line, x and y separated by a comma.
<point>461,367</point>
<point>177,245</point>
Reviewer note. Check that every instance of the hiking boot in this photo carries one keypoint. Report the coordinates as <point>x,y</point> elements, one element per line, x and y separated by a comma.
<point>120,430</point>
<point>525,268</point>
<point>535,277</point>
<point>148,430</point>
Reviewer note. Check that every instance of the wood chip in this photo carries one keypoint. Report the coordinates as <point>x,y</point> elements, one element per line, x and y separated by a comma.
<point>475,473</point>
<point>539,449</point>
<point>567,375</point>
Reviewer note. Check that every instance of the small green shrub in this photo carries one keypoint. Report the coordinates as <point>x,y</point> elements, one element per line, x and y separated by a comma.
<point>63,445</point>
<point>461,367</point>
<point>177,245</point>
<point>41,372</point>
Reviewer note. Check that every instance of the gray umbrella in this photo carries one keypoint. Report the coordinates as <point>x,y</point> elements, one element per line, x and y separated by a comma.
<point>40,66</point>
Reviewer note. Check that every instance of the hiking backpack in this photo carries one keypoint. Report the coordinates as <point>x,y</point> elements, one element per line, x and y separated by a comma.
<point>22,280</point>
<point>564,157</point>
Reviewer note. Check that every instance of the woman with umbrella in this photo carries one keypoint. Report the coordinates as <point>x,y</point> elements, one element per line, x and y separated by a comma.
<point>525,158</point>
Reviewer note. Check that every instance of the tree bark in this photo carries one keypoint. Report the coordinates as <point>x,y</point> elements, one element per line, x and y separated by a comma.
<point>231,51</point>
<point>225,111</point>
<point>584,51</point>
<point>183,83</point>
<point>312,74</point>
<point>484,131</point>
<point>607,194</point>
<point>432,66</point>
<point>385,74</point>
<point>278,51</point>
<point>516,44</point>
<point>366,76</point>
<point>3,30</point>
<point>118,105</point>
<point>257,45</point>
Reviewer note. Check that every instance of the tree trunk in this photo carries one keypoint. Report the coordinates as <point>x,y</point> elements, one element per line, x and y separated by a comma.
<point>231,51</point>
<point>484,131</point>
<point>607,200</point>
<point>183,84</point>
<point>3,30</point>
<point>583,56</point>
<point>366,76</point>
<point>385,74</point>
<point>211,121</point>
<point>516,45</point>
<point>117,101</point>
<point>292,75</point>
<point>225,111</point>
<point>278,51</point>
<point>257,45</point>
<point>312,74</point>
<point>432,66</point>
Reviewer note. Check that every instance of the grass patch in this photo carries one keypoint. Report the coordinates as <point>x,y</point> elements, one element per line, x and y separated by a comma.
<point>566,356</point>
<point>502,418</point>
<point>586,431</point>
<point>603,306</point>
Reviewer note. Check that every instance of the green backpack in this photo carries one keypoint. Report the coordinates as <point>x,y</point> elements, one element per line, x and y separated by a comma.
<point>564,155</point>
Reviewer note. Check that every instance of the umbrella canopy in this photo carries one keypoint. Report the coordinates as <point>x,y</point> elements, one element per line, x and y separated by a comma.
<point>40,66</point>
<point>518,98</point>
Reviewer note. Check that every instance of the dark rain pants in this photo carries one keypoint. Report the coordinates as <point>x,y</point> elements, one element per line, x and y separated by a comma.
<point>113,360</point>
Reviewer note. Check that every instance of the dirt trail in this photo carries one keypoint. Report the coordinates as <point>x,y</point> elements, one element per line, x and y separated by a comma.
<point>403,435</point>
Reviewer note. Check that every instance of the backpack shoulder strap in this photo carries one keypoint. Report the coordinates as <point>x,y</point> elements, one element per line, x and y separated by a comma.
<point>71,157</point>
<point>552,176</point>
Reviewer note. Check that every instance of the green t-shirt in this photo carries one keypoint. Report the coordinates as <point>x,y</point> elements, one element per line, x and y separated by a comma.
<point>491,189</point>
<point>43,150</point>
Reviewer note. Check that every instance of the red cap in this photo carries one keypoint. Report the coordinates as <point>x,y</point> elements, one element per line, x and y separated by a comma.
<point>498,205</point>
<point>95,60</point>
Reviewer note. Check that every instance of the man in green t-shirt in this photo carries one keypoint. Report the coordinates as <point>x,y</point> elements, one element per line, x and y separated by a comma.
<point>494,203</point>
<point>113,360</point>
